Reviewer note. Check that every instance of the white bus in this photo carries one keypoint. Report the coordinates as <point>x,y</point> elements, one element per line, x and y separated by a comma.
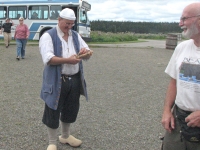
<point>41,15</point>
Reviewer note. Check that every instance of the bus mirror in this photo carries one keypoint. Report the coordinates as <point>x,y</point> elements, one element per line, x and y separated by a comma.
<point>86,5</point>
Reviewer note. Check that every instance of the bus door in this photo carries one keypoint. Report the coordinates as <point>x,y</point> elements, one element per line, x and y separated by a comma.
<point>84,23</point>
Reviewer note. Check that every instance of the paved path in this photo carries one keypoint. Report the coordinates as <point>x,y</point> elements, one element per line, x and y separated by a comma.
<point>145,44</point>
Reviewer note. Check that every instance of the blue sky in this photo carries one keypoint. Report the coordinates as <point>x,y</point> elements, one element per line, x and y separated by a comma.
<point>138,10</point>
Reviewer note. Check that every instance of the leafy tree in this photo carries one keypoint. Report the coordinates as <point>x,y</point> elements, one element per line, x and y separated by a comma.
<point>135,27</point>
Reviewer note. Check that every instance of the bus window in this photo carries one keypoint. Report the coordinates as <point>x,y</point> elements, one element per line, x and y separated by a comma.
<point>83,16</point>
<point>54,11</point>
<point>3,14</point>
<point>14,12</point>
<point>38,12</point>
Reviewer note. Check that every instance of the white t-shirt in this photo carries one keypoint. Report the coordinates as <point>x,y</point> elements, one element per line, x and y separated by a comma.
<point>184,66</point>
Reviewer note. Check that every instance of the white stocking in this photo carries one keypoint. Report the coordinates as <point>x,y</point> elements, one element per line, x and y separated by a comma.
<point>65,132</point>
<point>52,134</point>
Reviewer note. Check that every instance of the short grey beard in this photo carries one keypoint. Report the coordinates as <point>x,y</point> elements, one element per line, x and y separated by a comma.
<point>193,30</point>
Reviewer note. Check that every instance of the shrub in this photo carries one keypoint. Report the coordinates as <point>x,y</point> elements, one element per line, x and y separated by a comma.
<point>98,36</point>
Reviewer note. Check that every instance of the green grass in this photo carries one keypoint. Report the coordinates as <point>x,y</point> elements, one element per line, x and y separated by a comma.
<point>109,38</point>
<point>139,40</point>
<point>112,37</point>
<point>102,37</point>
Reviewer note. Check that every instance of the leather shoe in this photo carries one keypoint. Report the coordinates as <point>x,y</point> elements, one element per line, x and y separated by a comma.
<point>52,147</point>
<point>72,141</point>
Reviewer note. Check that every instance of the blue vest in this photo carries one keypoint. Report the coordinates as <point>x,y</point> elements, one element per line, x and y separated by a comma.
<point>52,79</point>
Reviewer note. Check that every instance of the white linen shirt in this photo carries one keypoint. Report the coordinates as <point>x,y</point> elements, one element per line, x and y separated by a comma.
<point>47,50</point>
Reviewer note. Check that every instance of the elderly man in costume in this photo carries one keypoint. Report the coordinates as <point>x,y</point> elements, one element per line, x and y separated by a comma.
<point>63,80</point>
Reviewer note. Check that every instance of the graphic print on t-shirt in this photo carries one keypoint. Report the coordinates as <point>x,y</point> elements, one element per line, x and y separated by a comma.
<point>190,70</point>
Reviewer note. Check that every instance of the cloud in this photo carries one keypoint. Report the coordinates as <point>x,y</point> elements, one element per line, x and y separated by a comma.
<point>138,10</point>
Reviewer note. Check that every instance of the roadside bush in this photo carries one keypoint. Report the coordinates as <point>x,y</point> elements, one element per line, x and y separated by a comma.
<point>151,36</point>
<point>98,36</point>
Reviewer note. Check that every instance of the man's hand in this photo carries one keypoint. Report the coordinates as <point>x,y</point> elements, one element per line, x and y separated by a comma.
<point>73,60</point>
<point>84,53</point>
<point>168,121</point>
<point>193,120</point>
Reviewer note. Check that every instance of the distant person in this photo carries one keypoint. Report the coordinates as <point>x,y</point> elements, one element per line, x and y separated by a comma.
<point>6,29</point>
<point>181,114</point>
<point>56,14</point>
<point>53,15</point>
<point>34,15</point>
<point>18,16</point>
<point>63,79</point>
<point>21,37</point>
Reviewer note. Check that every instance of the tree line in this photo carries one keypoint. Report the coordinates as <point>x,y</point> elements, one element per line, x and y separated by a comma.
<point>135,27</point>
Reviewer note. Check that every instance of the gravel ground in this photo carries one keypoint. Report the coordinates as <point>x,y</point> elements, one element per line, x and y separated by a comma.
<point>126,88</point>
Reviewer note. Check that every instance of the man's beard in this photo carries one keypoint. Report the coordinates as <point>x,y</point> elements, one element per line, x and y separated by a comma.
<point>190,31</point>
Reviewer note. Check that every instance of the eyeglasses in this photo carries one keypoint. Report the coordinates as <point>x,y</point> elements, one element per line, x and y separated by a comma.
<point>70,24</point>
<point>185,18</point>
